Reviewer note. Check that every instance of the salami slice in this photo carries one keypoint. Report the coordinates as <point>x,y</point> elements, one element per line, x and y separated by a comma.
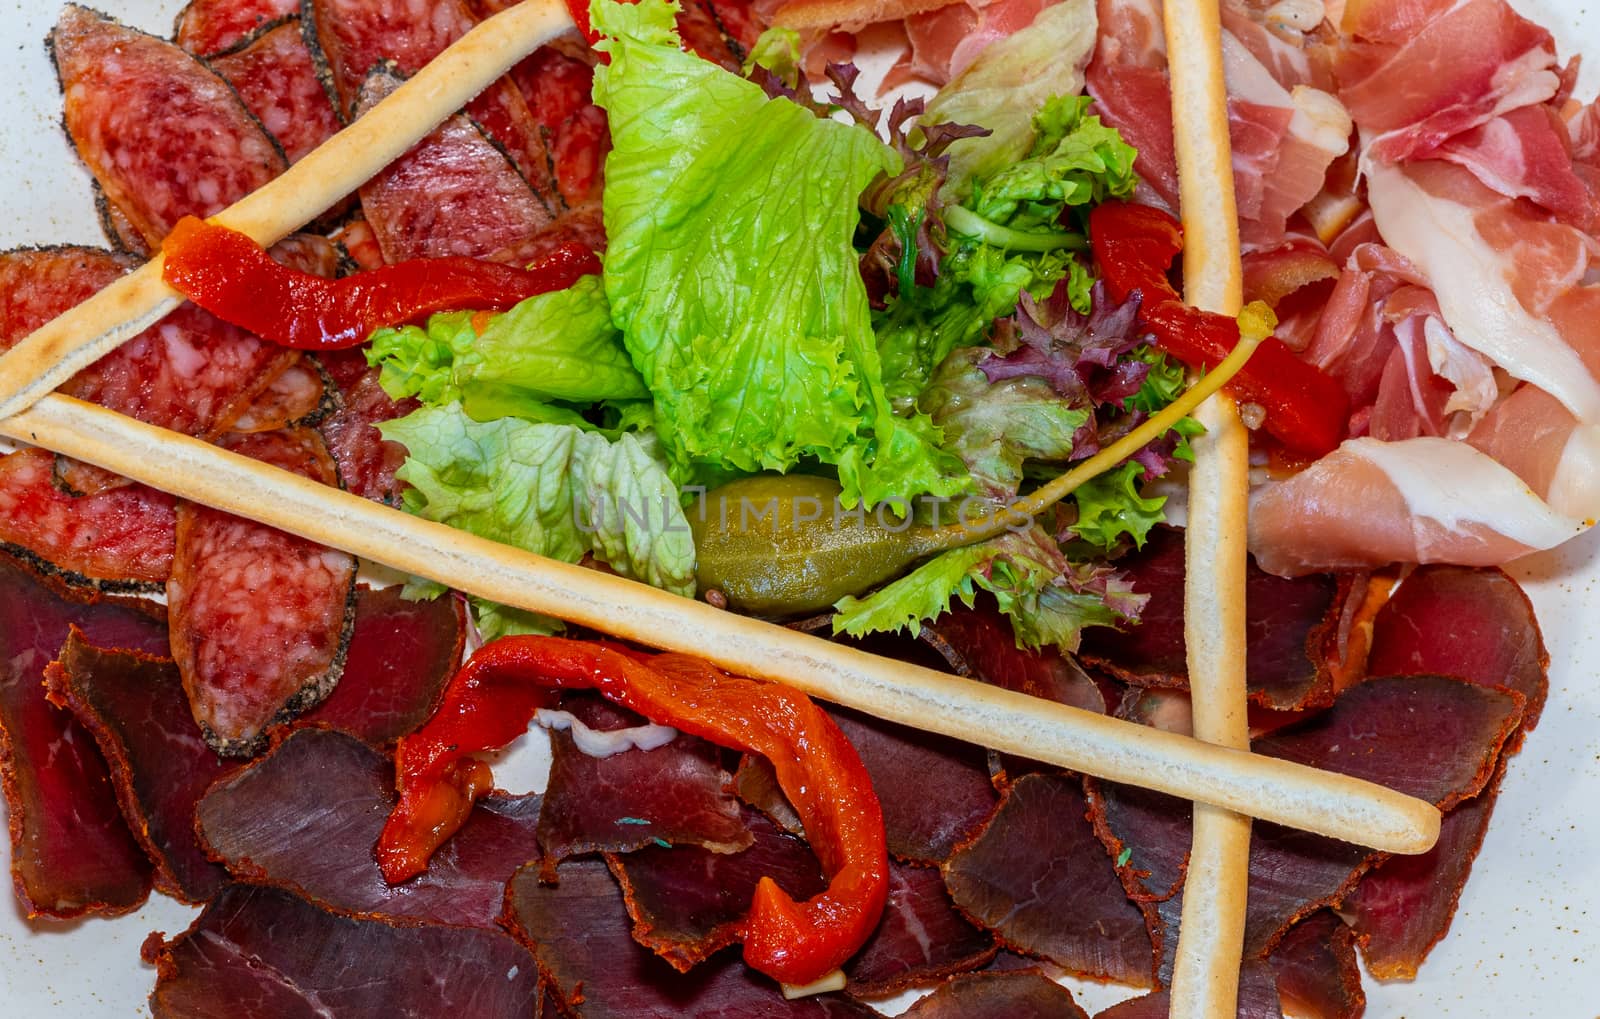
<point>211,26</point>
<point>274,75</point>
<point>190,372</point>
<point>454,193</point>
<point>298,396</point>
<point>260,619</point>
<point>121,539</point>
<point>354,36</point>
<point>164,135</point>
<point>367,461</point>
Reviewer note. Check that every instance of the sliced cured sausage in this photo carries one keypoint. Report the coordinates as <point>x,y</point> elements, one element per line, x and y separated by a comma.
<point>273,73</point>
<point>164,135</point>
<point>260,619</point>
<point>211,26</point>
<point>454,193</point>
<point>367,461</point>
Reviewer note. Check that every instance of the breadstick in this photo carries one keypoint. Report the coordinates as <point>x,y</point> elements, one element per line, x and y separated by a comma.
<point>77,338</point>
<point>1205,979</point>
<point>1290,794</point>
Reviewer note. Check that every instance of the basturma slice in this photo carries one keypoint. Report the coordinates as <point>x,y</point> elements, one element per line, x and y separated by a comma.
<point>920,940</point>
<point>1293,629</point>
<point>260,619</point>
<point>261,952</point>
<point>120,539</point>
<point>71,852</point>
<point>1040,879</point>
<point>1017,994</point>
<point>1258,999</point>
<point>579,932</point>
<point>211,26</point>
<point>983,642</point>
<point>351,37</point>
<point>273,73</point>
<point>190,372</point>
<point>306,817</point>
<point>1317,970</point>
<point>367,461</point>
<point>1476,624</point>
<point>134,706</point>
<point>401,655</point>
<point>687,902</point>
<point>1433,737</point>
<point>673,794</point>
<point>164,135</point>
<point>453,193</point>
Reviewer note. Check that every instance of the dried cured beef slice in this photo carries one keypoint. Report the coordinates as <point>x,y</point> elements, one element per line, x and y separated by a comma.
<point>1039,878</point>
<point>1293,626</point>
<point>1258,999</point>
<point>298,396</point>
<point>1317,971</point>
<point>164,135</point>
<point>687,902</point>
<point>135,707</point>
<point>675,793</point>
<point>1020,994</point>
<point>260,618</point>
<point>121,539</point>
<point>353,36</point>
<point>367,461</point>
<point>71,852</point>
<point>275,77</point>
<point>921,939</point>
<point>454,193</point>
<point>1433,737</point>
<point>401,655</point>
<point>264,952</point>
<point>984,641</point>
<point>580,933</point>
<point>306,817</point>
<point>190,372</point>
<point>211,26</point>
<point>1460,621</point>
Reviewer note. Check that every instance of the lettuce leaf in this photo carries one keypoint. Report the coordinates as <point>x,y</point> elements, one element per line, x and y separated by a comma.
<point>1048,599</point>
<point>558,346</point>
<point>1111,506</point>
<point>732,275</point>
<point>553,489</point>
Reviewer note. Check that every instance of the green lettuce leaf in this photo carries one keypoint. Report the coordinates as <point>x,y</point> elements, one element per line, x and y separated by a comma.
<point>560,346</point>
<point>731,270</point>
<point>1075,160</point>
<point>1111,506</point>
<point>1048,599</point>
<point>556,490</point>
<point>995,427</point>
<point>1008,81</point>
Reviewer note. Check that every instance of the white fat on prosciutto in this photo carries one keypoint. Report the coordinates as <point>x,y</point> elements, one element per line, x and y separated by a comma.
<point>1423,500</point>
<point>1500,272</point>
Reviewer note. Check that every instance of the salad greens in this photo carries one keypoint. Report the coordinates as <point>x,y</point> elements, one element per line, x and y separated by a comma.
<point>787,291</point>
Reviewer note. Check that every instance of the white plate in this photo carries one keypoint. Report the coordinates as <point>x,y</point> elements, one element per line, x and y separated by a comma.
<point>1528,931</point>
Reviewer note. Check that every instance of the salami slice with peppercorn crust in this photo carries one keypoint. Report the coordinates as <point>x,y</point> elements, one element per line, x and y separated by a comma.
<point>260,619</point>
<point>164,135</point>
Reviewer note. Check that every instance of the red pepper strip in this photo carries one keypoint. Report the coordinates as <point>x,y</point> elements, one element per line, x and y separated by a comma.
<point>579,9</point>
<point>234,278</point>
<point>1135,244</point>
<point>491,700</point>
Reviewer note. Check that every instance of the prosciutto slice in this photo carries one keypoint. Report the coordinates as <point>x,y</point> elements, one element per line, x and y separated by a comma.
<point>1041,881</point>
<point>163,134</point>
<point>118,539</point>
<point>135,707</point>
<point>248,660</point>
<point>263,952</point>
<point>454,193</point>
<point>71,853</point>
<point>275,77</point>
<point>306,816</point>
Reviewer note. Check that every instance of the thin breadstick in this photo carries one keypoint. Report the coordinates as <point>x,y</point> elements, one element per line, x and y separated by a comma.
<point>79,337</point>
<point>1205,979</point>
<point>1286,793</point>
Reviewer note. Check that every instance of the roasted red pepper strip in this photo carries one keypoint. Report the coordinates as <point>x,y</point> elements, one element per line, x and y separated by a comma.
<point>491,700</point>
<point>1135,244</point>
<point>233,277</point>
